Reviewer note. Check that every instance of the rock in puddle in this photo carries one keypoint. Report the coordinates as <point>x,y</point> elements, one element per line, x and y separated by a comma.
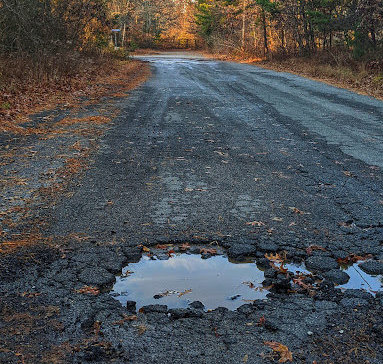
<point>337,276</point>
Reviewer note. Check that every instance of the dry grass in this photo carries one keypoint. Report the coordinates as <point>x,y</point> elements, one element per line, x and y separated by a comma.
<point>334,69</point>
<point>357,78</point>
<point>105,77</point>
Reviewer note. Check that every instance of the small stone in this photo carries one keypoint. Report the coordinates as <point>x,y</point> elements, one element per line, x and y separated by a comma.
<point>341,331</point>
<point>310,333</point>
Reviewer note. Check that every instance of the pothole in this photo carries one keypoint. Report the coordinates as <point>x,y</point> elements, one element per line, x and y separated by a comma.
<point>361,280</point>
<point>183,278</point>
<point>358,279</point>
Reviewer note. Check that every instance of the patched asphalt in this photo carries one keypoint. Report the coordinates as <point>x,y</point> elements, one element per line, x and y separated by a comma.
<point>219,154</point>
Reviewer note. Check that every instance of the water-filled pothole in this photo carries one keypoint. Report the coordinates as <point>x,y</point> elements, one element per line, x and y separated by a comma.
<point>184,278</point>
<point>358,279</point>
<point>361,280</point>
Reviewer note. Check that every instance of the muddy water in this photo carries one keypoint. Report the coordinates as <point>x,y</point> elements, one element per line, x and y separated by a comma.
<point>185,278</point>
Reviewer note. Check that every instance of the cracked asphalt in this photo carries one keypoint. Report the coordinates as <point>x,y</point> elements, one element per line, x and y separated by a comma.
<point>257,162</point>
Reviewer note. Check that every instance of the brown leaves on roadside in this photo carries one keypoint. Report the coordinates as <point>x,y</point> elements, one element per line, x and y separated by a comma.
<point>311,248</point>
<point>126,318</point>
<point>88,290</point>
<point>141,329</point>
<point>285,354</point>
<point>298,212</point>
<point>30,294</point>
<point>256,223</point>
<point>353,258</point>
<point>161,246</point>
<point>261,321</point>
<point>208,251</point>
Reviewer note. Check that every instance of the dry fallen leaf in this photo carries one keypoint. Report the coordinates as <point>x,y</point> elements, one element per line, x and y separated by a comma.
<point>285,354</point>
<point>184,292</point>
<point>245,358</point>
<point>88,290</point>
<point>255,223</point>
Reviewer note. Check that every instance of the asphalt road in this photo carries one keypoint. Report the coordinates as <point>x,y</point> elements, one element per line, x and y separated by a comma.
<point>211,153</point>
<point>204,147</point>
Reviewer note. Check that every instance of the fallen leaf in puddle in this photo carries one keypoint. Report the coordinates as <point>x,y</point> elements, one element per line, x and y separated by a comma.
<point>285,354</point>
<point>249,284</point>
<point>256,223</point>
<point>184,292</point>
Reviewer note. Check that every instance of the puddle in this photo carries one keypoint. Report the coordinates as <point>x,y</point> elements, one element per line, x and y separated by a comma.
<point>358,278</point>
<point>361,280</point>
<point>185,278</point>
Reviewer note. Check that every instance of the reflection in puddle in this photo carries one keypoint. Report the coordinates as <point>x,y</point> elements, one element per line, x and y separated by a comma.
<point>184,278</point>
<point>361,280</point>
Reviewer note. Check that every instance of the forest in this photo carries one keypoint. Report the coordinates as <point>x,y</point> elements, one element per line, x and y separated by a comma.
<point>54,39</point>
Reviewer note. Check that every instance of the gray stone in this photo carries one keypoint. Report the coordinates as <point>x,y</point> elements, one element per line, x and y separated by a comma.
<point>372,267</point>
<point>96,276</point>
<point>337,276</point>
<point>321,263</point>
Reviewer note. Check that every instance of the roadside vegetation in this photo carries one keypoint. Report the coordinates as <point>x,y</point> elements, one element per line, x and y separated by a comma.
<point>336,41</point>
